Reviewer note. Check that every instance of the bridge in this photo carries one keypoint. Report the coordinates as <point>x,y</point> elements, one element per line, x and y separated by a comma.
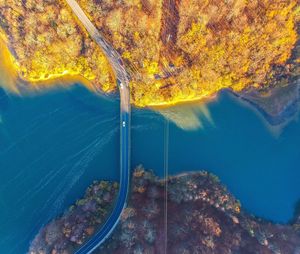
<point>123,84</point>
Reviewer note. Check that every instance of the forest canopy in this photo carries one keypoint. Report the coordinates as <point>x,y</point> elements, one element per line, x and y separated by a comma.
<point>175,50</point>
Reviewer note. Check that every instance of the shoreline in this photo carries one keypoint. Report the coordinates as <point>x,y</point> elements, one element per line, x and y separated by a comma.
<point>287,112</point>
<point>221,215</point>
<point>252,99</point>
<point>13,83</point>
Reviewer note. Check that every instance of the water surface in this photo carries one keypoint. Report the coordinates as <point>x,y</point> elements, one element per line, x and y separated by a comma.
<point>52,146</point>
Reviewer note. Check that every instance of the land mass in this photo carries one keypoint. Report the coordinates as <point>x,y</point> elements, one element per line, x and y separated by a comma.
<point>279,102</point>
<point>174,50</point>
<point>202,217</point>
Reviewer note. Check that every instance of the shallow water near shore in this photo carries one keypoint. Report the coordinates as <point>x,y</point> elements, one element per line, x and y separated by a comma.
<point>53,145</point>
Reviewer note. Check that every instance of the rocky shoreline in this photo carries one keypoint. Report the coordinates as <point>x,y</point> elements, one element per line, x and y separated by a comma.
<point>202,217</point>
<point>278,106</point>
<point>279,99</point>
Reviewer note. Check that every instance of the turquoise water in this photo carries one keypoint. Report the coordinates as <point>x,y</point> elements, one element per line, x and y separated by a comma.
<point>53,146</point>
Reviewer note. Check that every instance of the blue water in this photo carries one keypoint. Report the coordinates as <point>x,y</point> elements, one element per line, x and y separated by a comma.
<point>52,146</point>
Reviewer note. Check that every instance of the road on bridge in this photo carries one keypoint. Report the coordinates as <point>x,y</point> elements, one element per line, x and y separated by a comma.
<point>123,84</point>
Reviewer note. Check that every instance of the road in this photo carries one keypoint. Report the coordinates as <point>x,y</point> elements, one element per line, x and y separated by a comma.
<point>123,84</point>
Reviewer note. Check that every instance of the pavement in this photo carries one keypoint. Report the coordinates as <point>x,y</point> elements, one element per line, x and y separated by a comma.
<point>123,84</point>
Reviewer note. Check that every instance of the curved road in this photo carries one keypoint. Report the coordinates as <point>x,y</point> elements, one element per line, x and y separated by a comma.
<point>123,83</point>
